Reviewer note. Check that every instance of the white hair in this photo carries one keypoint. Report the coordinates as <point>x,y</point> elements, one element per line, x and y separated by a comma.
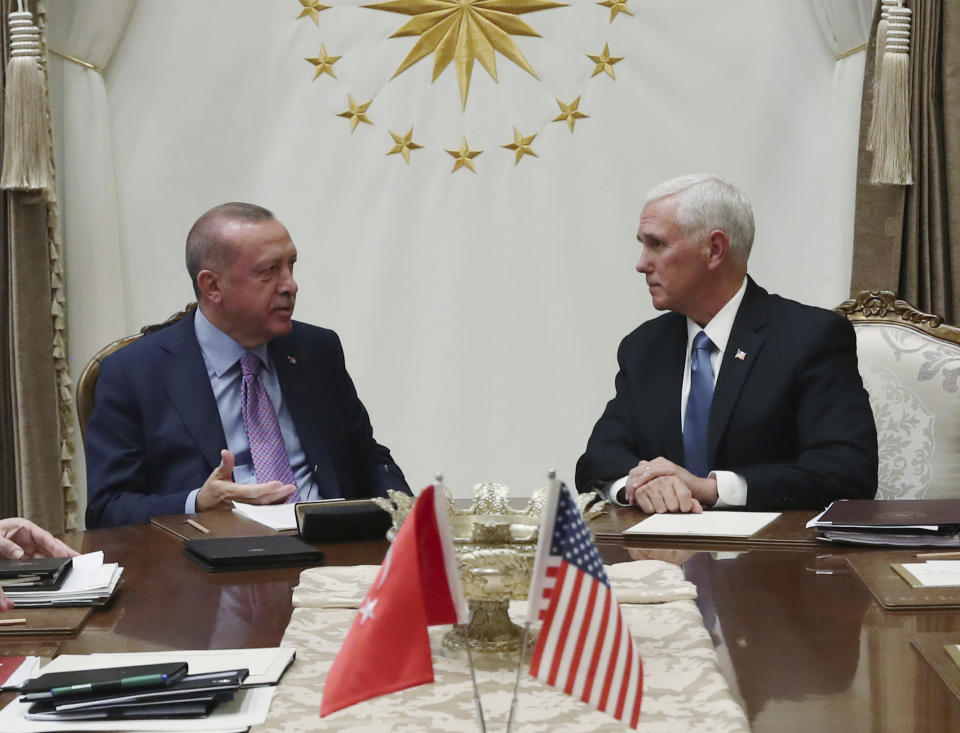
<point>706,202</point>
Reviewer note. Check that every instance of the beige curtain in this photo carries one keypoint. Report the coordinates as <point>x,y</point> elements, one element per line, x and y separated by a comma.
<point>37,398</point>
<point>907,238</point>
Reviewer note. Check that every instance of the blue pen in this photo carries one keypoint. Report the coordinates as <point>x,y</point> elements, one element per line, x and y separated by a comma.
<point>126,683</point>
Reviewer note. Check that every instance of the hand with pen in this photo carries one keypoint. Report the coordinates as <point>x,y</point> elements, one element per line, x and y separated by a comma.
<point>22,539</point>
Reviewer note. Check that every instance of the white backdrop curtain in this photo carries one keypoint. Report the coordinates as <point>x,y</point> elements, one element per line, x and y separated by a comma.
<point>480,312</point>
<point>845,25</point>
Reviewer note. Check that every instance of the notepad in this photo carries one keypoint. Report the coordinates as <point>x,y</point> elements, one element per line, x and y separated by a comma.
<point>930,574</point>
<point>707,524</point>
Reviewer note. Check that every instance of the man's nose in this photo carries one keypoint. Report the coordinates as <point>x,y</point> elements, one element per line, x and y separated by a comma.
<point>289,285</point>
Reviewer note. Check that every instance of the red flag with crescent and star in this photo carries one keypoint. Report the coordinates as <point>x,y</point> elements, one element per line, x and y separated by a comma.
<point>388,648</point>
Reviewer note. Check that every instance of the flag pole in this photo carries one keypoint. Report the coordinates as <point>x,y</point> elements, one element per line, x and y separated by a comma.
<point>473,678</point>
<point>516,680</point>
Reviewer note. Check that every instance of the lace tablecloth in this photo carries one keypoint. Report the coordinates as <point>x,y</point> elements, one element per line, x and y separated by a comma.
<point>683,689</point>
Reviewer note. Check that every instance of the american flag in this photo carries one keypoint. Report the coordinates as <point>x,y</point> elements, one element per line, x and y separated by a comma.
<point>585,647</point>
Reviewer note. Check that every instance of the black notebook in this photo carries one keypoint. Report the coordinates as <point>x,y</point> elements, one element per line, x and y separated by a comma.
<point>220,554</point>
<point>34,574</point>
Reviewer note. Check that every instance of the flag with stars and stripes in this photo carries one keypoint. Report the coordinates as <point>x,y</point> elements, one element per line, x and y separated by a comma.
<point>584,647</point>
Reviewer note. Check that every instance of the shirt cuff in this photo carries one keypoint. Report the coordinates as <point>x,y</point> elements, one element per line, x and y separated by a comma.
<point>190,506</point>
<point>731,489</point>
<point>615,492</point>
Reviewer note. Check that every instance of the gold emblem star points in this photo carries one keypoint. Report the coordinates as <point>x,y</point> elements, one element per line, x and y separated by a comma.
<point>324,63</point>
<point>464,31</point>
<point>521,145</point>
<point>616,7</point>
<point>356,114</point>
<point>312,9</point>
<point>570,113</point>
<point>403,144</point>
<point>463,157</point>
<point>604,61</point>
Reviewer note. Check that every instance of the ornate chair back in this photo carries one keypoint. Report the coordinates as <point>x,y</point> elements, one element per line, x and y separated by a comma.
<point>87,382</point>
<point>910,364</point>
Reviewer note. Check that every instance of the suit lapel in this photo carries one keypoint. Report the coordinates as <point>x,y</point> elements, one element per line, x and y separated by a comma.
<point>185,378</point>
<point>666,386</point>
<point>301,397</point>
<point>746,340</point>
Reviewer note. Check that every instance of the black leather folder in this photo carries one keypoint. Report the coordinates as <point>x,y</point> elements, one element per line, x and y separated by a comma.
<point>342,521</point>
<point>34,574</point>
<point>221,554</point>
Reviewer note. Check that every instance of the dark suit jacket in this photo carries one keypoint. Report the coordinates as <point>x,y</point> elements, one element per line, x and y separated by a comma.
<point>791,417</point>
<point>155,432</point>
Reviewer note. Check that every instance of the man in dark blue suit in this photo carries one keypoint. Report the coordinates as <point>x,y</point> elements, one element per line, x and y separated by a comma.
<point>736,398</point>
<point>169,429</point>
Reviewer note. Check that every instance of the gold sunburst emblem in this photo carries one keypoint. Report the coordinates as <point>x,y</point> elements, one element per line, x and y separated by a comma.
<point>464,31</point>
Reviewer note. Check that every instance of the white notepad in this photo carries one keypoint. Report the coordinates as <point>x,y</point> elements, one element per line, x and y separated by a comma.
<point>707,524</point>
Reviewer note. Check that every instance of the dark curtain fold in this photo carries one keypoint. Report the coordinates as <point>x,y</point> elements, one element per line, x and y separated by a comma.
<point>33,452</point>
<point>907,238</point>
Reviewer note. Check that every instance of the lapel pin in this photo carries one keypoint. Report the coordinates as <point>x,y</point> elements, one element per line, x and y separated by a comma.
<point>293,359</point>
<point>741,354</point>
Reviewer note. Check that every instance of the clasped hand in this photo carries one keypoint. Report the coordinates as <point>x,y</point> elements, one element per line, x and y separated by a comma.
<point>660,486</point>
<point>219,491</point>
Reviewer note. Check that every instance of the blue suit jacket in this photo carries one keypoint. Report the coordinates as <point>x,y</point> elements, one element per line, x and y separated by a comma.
<point>155,432</point>
<point>791,416</point>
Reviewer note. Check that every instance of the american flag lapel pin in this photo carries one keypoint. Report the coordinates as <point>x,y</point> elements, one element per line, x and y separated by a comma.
<point>741,354</point>
<point>291,360</point>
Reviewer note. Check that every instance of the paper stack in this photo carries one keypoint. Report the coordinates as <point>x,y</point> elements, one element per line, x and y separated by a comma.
<point>90,582</point>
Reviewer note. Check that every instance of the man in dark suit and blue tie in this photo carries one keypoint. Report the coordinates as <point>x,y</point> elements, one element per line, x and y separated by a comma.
<point>736,397</point>
<point>234,402</point>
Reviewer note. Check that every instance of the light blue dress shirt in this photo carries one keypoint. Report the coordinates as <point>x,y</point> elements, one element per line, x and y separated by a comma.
<point>221,356</point>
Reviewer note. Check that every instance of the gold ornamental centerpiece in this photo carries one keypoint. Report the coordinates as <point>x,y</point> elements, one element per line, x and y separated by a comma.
<point>495,544</point>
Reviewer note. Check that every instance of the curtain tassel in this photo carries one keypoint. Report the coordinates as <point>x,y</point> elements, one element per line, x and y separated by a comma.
<point>26,151</point>
<point>882,26</point>
<point>892,160</point>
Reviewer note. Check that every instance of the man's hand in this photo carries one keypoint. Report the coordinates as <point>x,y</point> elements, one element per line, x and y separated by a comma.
<point>21,538</point>
<point>660,485</point>
<point>219,491</point>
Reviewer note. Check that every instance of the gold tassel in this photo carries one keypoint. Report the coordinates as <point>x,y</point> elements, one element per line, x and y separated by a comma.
<point>26,151</point>
<point>892,161</point>
<point>882,25</point>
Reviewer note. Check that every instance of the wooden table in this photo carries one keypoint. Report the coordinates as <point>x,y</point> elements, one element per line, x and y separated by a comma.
<point>800,639</point>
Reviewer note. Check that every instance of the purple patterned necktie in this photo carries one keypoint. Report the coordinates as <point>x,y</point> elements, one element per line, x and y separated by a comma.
<point>269,454</point>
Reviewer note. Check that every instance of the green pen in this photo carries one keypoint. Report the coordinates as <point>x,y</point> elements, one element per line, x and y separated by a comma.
<point>143,680</point>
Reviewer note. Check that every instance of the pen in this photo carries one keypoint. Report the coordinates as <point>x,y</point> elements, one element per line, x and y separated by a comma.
<point>937,554</point>
<point>197,525</point>
<point>12,621</point>
<point>143,680</point>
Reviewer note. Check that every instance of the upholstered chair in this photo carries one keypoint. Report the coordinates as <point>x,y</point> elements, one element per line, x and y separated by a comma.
<point>910,364</point>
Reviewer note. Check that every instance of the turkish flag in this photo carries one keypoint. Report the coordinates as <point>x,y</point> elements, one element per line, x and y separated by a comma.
<point>387,648</point>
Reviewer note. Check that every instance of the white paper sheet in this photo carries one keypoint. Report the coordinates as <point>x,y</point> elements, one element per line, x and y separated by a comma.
<point>935,573</point>
<point>707,524</point>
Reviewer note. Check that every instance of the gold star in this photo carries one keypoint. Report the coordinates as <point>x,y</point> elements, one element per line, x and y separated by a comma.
<point>570,112</point>
<point>324,63</point>
<point>521,145</point>
<point>312,8</point>
<point>356,114</point>
<point>464,156</point>
<point>604,61</point>
<point>404,144</point>
<point>616,7</point>
<point>464,31</point>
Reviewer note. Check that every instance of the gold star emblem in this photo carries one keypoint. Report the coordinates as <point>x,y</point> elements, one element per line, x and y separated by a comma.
<point>521,144</point>
<point>570,113</point>
<point>616,7</point>
<point>312,9</point>
<point>464,31</point>
<point>356,114</point>
<point>604,61</point>
<point>463,156</point>
<point>404,144</point>
<point>324,63</point>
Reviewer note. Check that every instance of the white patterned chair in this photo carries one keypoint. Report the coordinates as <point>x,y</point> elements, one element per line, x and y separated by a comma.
<point>910,364</point>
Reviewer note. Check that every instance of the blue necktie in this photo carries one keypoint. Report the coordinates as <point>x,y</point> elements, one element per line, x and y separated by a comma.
<point>697,417</point>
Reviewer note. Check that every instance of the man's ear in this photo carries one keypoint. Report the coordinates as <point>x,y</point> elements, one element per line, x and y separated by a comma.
<point>719,244</point>
<point>210,285</point>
